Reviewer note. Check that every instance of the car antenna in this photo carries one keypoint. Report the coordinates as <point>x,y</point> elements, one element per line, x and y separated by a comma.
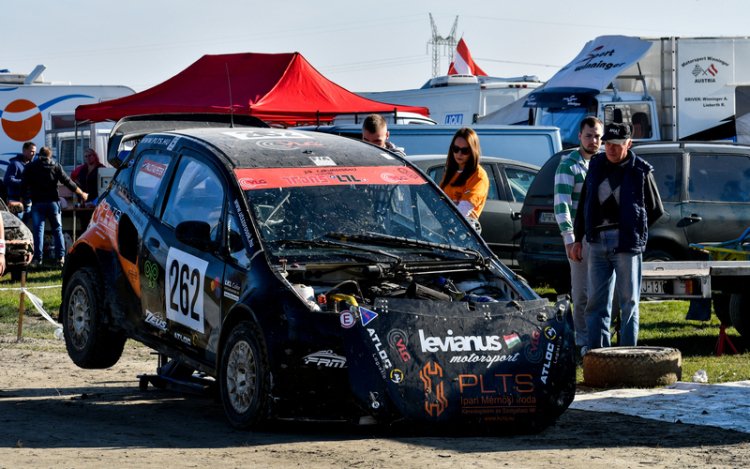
<point>231,109</point>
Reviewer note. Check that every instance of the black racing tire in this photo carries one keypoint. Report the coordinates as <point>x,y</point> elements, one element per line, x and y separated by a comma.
<point>245,378</point>
<point>89,341</point>
<point>721,308</point>
<point>642,367</point>
<point>657,255</point>
<point>737,307</point>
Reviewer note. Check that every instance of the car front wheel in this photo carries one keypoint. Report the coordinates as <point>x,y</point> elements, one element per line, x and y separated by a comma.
<point>245,380</point>
<point>89,342</point>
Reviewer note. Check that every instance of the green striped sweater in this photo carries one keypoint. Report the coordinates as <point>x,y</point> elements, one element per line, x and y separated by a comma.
<point>569,179</point>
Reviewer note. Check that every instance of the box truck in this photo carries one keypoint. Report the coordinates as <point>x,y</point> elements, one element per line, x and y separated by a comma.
<point>673,89</point>
<point>32,110</point>
<point>461,99</point>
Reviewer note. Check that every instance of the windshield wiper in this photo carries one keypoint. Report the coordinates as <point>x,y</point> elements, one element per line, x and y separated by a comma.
<point>325,243</point>
<point>399,241</point>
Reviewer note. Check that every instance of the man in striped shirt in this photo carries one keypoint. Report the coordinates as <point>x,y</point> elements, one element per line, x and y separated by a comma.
<point>568,184</point>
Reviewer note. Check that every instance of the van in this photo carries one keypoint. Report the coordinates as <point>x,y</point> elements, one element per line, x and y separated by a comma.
<point>532,144</point>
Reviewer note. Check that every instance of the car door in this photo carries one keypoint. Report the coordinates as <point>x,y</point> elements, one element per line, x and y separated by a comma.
<point>718,205</point>
<point>517,181</point>
<point>190,277</point>
<point>496,216</point>
<point>669,230</point>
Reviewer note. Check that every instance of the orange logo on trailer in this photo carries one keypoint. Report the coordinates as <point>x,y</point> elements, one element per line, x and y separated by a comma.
<point>21,120</point>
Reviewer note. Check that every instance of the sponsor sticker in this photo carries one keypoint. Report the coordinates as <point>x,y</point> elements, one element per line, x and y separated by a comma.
<point>183,338</point>
<point>398,341</point>
<point>254,135</point>
<point>322,161</point>
<point>156,320</point>
<point>434,389</point>
<point>511,340</point>
<point>550,332</point>
<point>284,146</point>
<point>367,315</point>
<point>274,178</point>
<point>347,319</point>
<point>326,358</point>
<point>173,143</point>
<point>397,376</point>
<point>153,168</point>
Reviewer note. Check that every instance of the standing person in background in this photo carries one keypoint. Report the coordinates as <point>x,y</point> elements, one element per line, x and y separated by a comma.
<point>569,179</point>
<point>464,181</point>
<point>375,131</point>
<point>619,202</point>
<point>87,175</point>
<point>40,180</point>
<point>12,181</point>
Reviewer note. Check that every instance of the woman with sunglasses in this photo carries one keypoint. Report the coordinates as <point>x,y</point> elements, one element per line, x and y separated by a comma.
<point>464,181</point>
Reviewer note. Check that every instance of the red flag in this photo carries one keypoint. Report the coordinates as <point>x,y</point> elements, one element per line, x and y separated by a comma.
<point>462,63</point>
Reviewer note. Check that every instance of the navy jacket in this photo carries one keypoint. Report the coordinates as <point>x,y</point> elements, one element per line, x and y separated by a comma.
<point>40,178</point>
<point>640,203</point>
<point>13,176</point>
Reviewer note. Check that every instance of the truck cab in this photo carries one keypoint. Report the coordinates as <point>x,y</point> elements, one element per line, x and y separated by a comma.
<point>636,109</point>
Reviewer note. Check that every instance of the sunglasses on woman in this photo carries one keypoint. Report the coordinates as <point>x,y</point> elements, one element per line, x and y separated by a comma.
<point>464,150</point>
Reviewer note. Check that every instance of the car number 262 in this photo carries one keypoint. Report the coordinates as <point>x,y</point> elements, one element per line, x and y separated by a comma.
<point>185,275</point>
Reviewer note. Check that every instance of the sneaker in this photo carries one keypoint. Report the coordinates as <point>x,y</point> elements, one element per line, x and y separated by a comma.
<point>61,262</point>
<point>36,263</point>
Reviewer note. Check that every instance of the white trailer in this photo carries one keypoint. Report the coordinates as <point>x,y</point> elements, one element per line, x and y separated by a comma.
<point>461,99</point>
<point>675,88</point>
<point>32,110</point>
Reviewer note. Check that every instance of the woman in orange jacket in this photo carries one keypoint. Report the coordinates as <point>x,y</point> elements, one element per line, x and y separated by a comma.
<point>464,181</point>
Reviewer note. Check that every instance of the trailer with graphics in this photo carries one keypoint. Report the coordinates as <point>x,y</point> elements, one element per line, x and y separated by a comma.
<point>32,110</point>
<point>672,89</point>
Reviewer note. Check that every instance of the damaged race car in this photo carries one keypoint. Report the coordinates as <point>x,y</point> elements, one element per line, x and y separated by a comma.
<point>313,277</point>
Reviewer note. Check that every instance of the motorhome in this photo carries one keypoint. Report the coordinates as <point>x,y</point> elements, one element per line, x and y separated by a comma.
<point>461,99</point>
<point>32,110</point>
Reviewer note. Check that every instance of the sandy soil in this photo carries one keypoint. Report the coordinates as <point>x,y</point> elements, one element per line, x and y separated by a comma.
<point>53,414</point>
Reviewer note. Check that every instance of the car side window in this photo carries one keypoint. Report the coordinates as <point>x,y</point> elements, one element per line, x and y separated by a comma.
<point>666,175</point>
<point>519,181</point>
<point>719,178</point>
<point>149,179</point>
<point>197,194</point>
<point>436,174</point>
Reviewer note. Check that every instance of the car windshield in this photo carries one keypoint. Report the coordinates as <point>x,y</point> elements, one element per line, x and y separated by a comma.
<point>357,207</point>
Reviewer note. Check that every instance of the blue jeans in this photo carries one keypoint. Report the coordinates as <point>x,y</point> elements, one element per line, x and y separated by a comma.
<point>39,212</point>
<point>603,263</point>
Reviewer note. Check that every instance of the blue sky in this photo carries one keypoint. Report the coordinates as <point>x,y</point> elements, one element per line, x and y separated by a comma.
<point>373,46</point>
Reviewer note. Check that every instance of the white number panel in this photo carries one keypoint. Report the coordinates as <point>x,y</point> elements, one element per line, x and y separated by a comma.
<point>185,274</point>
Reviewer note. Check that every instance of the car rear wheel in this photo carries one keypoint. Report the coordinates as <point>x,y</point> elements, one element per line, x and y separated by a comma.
<point>657,255</point>
<point>245,380</point>
<point>89,342</point>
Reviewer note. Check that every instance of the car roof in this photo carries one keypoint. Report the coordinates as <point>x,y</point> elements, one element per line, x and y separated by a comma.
<point>248,148</point>
<point>424,161</point>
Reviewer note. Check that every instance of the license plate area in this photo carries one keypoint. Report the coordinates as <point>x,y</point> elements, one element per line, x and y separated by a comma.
<point>653,287</point>
<point>547,218</point>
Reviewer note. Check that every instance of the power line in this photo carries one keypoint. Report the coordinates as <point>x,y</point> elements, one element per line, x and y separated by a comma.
<point>520,63</point>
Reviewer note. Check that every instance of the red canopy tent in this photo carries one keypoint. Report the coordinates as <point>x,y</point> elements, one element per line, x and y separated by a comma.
<point>281,88</point>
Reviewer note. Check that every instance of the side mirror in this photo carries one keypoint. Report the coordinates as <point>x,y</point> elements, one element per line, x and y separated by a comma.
<point>196,234</point>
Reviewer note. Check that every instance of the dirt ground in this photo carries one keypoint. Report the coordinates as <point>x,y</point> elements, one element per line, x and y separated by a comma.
<point>53,414</point>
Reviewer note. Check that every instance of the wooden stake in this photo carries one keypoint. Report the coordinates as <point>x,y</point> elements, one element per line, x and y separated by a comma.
<point>20,310</point>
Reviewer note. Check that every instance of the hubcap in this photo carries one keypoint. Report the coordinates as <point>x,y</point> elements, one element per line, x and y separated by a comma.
<point>79,317</point>
<point>241,377</point>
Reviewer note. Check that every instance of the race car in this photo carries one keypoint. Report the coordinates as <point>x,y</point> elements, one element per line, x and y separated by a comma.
<point>312,277</point>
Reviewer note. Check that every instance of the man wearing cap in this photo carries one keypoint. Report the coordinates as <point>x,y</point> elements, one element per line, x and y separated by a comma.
<point>619,202</point>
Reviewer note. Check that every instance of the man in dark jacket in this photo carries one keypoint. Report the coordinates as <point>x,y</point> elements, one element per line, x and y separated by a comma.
<point>40,180</point>
<point>619,202</point>
<point>13,175</point>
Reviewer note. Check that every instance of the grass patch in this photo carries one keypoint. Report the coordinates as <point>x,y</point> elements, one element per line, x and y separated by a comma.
<point>33,323</point>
